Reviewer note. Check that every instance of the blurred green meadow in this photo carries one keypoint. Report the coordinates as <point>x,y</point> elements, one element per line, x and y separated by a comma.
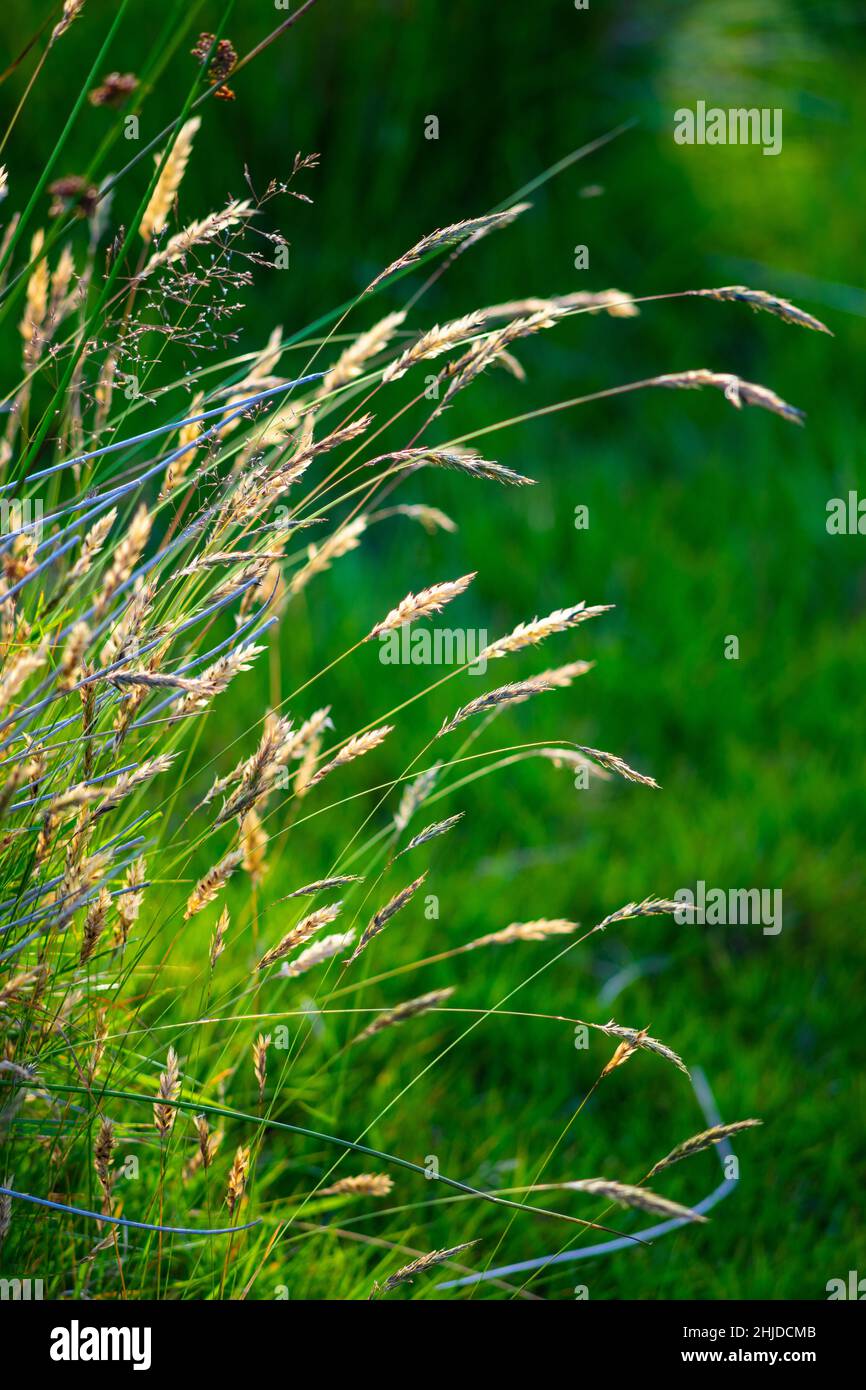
<point>704,522</point>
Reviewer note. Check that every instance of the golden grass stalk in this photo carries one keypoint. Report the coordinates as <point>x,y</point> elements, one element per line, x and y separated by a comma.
<point>618,304</point>
<point>217,945</point>
<point>300,934</point>
<point>94,924</point>
<point>513,693</point>
<point>216,678</point>
<point>169,181</point>
<point>381,918</point>
<point>637,1197</point>
<point>208,1142</point>
<point>760,301</point>
<point>649,907</point>
<point>260,1062</point>
<point>531,633</point>
<point>626,1049</point>
<point>420,1266</point>
<point>611,763</point>
<point>456,376</point>
<point>737,391</point>
<point>213,883</point>
<point>93,543</point>
<point>129,902</point>
<point>169,1090</point>
<point>389,1018</point>
<point>20,670</point>
<point>457,458</point>
<point>539,930</point>
<point>254,842</point>
<point>432,832</point>
<point>317,954</point>
<point>321,885</point>
<point>359,1185</point>
<point>702,1141</point>
<point>430,600</point>
<point>73,655</point>
<point>457,232</point>
<point>433,343</point>
<point>128,782</point>
<point>198,233</point>
<point>414,794</point>
<point>351,362</point>
<point>641,1039</point>
<point>357,747</point>
<point>36,301</point>
<point>125,558</point>
<point>237,1178</point>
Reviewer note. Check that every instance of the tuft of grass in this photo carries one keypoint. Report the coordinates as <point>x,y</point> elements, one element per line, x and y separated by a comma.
<point>146,573</point>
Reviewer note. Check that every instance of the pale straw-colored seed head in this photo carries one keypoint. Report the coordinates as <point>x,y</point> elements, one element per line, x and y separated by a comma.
<point>470,229</point>
<point>213,882</point>
<point>93,543</point>
<point>513,693</point>
<point>761,301</point>
<point>356,747</point>
<point>414,606</point>
<point>737,391</point>
<point>300,934</point>
<point>538,930</point>
<point>125,557</point>
<point>626,1049</point>
<point>531,633</point>
<point>237,1178</point>
<point>260,1061</point>
<point>414,794</point>
<point>254,842</point>
<point>316,954</point>
<point>433,343</point>
<point>169,181</point>
<point>420,1266</point>
<point>169,1089</point>
<point>641,1039</point>
<point>384,914</point>
<point>650,907</point>
<point>94,924</point>
<point>198,233</point>
<point>611,763</point>
<point>705,1140</point>
<point>638,1197</point>
<point>351,362</point>
<point>217,945</point>
<point>322,885</point>
<point>432,832</point>
<point>73,655</point>
<point>359,1185</point>
<point>411,1008</point>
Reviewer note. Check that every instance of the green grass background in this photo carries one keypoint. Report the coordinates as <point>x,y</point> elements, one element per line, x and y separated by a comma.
<point>703,523</point>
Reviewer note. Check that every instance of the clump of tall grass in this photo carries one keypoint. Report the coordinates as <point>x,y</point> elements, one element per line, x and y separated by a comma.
<point>147,568</point>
